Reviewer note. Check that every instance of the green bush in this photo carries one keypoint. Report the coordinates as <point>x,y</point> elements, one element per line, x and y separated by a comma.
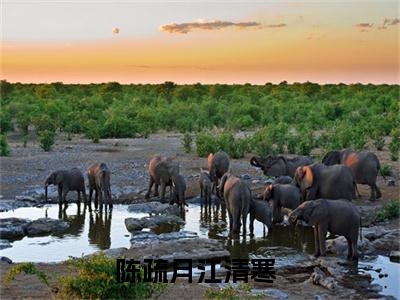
<point>96,279</point>
<point>386,170</point>
<point>5,121</point>
<point>394,145</point>
<point>205,144</point>
<point>92,131</point>
<point>262,142</point>
<point>390,210</point>
<point>187,140</point>
<point>46,139</point>
<point>26,268</point>
<point>4,148</point>
<point>378,140</point>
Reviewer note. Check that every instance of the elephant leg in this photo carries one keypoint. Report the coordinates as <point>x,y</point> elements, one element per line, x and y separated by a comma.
<point>64,196</point>
<point>322,231</point>
<point>201,193</point>
<point>60,197</point>
<point>149,189</point>
<point>235,220</point>
<point>90,194</point>
<point>79,197</point>
<point>96,198</point>
<point>252,222</point>
<point>354,246</point>
<point>244,221</point>
<point>316,241</point>
<point>349,248</point>
<point>378,191</point>
<point>372,197</point>
<point>156,185</point>
<point>230,220</point>
<point>163,187</point>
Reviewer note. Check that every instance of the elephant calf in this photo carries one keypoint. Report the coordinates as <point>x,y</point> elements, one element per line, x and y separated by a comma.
<point>336,216</point>
<point>260,211</point>
<point>205,186</point>
<point>282,195</point>
<point>237,197</point>
<point>67,180</point>
<point>99,182</point>
<point>179,189</point>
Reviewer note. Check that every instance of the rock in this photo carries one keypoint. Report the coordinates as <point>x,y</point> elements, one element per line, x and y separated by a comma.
<point>6,205</point>
<point>45,226</point>
<point>255,181</point>
<point>375,288</point>
<point>25,198</point>
<point>319,278</point>
<point>152,238</point>
<point>373,233</point>
<point>339,246</point>
<point>245,177</point>
<point>133,224</point>
<point>11,228</point>
<point>270,293</point>
<point>154,207</point>
<point>6,259</point>
<point>394,256</point>
<point>391,182</point>
<point>4,244</point>
<point>388,242</point>
<point>111,253</point>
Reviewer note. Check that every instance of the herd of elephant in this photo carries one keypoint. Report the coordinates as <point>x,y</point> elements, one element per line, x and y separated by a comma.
<point>319,194</point>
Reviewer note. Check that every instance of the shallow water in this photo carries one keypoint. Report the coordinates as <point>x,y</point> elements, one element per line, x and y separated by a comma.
<point>94,231</point>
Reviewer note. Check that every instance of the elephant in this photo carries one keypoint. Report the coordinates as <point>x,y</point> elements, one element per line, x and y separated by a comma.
<point>179,189</point>
<point>218,165</point>
<point>99,181</point>
<point>280,165</point>
<point>67,180</point>
<point>364,165</point>
<point>330,182</point>
<point>339,217</point>
<point>237,198</point>
<point>283,180</point>
<point>260,211</point>
<point>282,195</point>
<point>205,186</point>
<point>161,170</point>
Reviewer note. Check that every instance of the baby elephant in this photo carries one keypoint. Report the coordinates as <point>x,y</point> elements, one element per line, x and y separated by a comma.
<point>336,216</point>
<point>99,181</point>
<point>260,211</point>
<point>282,195</point>
<point>237,197</point>
<point>179,189</point>
<point>205,186</point>
<point>67,180</point>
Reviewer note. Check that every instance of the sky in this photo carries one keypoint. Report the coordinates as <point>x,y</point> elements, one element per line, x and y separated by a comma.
<point>194,41</point>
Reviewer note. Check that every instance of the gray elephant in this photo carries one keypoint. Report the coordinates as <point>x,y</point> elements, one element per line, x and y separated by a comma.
<point>179,189</point>
<point>205,186</point>
<point>99,182</point>
<point>279,165</point>
<point>218,165</point>
<point>336,216</point>
<point>283,180</point>
<point>364,165</point>
<point>161,170</point>
<point>260,211</point>
<point>282,195</point>
<point>330,182</point>
<point>237,197</point>
<point>67,180</point>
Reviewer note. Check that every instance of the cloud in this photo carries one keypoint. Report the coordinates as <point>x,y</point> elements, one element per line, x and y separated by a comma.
<point>276,25</point>
<point>184,28</point>
<point>364,25</point>
<point>389,22</point>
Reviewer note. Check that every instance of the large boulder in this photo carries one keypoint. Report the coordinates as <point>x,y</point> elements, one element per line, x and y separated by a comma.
<point>339,246</point>
<point>4,244</point>
<point>6,205</point>
<point>152,238</point>
<point>154,207</point>
<point>45,226</point>
<point>134,224</point>
<point>13,228</point>
<point>382,239</point>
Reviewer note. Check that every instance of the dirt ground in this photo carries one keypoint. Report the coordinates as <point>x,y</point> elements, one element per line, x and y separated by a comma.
<point>27,168</point>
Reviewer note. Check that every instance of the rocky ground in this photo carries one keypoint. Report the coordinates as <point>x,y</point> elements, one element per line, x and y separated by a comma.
<point>23,174</point>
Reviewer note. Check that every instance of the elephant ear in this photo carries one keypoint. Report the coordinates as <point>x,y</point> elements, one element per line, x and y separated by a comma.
<point>316,215</point>
<point>285,162</point>
<point>331,158</point>
<point>254,161</point>
<point>308,177</point>
<point>224,178</point>
<point>58,177</point>
<point>298,176</point>
<point>268,193</point>
<point>209,161</point>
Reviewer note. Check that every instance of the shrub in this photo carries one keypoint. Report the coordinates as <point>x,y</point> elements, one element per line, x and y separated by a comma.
<point>394,145</point>
<point>96,279</point>
<point>262,142</point>
<point>46,139</point>
<point>187,140</point>
<point>25,140</point>
<point>378,140</point>
<point>5,121</point>
<point>306,143</point>
<point>390,210</point>
<point>4,148</point>
<point>92,131</point>
<point>205,144</point>
<point>26,268</point>
<point>386,170</point>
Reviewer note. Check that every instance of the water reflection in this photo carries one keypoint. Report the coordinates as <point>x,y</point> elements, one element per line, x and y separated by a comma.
<point>100,228</point>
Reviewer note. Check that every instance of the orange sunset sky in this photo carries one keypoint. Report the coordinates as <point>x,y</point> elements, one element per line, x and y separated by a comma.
<point>200,41</point>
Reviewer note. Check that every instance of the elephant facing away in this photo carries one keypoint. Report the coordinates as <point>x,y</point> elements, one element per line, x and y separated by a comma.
<point>279,165</point>
<point>99,181</point>
<point>364,165</point>
<point>336,216</point>
<point>161,170</point>
<point>329,182</point>
<point>237,197</point>
<point>282,195</point>
<point>67,180</point>
<point>179,189</point>
<point>205,186</point>
<point>218,165</point>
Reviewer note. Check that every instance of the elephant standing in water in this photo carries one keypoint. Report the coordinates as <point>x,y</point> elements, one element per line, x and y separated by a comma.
<point>179,189</point>
<point>260,211</point>
<point>237,197</point>
<point>161,170</point>
<point>329,182</point>
<point>336,216</point>
<point>218,165</point>
<point>364,165</point>
<point>205,186</point>
<point>280,165</point>
<point>67,180</point>
<point>99,181</point>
